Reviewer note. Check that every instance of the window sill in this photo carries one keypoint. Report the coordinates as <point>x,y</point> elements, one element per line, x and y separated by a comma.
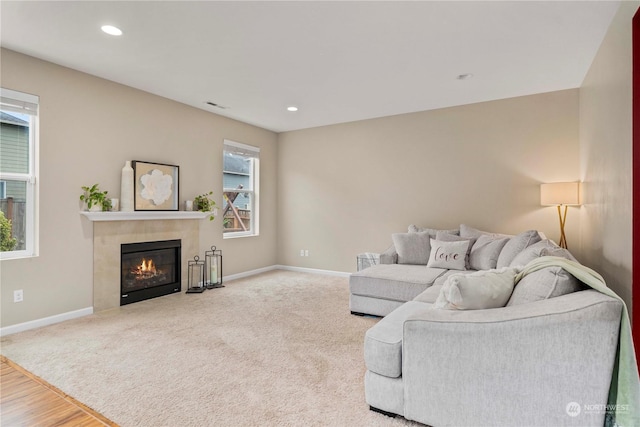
<point>16,255</point>
<point>238,236</point>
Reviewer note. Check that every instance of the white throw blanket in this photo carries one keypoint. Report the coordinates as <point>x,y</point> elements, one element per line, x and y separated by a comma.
<point>623,407</point>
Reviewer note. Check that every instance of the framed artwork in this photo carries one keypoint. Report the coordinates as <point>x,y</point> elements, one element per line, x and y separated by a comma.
<point>155,186</point>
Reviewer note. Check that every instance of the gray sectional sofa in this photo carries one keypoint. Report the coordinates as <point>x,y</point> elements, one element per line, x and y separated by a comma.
<point>528,362</point>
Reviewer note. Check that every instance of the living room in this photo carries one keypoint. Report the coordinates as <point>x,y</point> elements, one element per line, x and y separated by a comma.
<point>335,190</point>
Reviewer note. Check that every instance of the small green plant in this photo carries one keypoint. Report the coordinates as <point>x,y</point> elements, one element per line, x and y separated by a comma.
<point>93,196</point>
<point>7,243</point>
<point>204,203</point>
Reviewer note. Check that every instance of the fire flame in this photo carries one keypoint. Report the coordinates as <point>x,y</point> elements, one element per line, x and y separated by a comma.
<point>147,266</point>
<point>146,270</point>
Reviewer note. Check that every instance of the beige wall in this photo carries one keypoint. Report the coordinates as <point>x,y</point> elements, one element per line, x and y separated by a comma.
<point>605,151</point>
<point>88,128</point>
<point>344,189</point>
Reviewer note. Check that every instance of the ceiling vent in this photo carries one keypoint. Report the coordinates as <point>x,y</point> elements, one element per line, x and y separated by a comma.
<point>213,104</point>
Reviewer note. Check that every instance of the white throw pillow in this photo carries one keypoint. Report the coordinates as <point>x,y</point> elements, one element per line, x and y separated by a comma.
<point>449,255</point>
<point>477,291</point>
<point>443,236</point>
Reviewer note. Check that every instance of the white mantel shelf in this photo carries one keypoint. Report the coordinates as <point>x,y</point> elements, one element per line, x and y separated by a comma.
<point>143,215</point>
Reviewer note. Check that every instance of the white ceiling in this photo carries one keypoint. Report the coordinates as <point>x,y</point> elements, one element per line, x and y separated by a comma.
<point>336,61</point>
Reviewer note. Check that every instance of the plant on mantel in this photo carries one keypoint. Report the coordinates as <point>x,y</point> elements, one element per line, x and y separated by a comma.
<point>204,203</point>
<point>92,196</point>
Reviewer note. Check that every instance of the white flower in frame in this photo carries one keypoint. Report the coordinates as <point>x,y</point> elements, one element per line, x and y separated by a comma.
<point>156,187</point>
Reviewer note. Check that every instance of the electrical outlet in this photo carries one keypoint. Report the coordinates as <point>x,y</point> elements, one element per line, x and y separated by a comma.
<point>306,252</point>
<point>301,252</point>
<point>18,296</point>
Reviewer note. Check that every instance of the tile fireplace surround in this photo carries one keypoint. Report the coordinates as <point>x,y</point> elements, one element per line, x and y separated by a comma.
<point>109,235</point>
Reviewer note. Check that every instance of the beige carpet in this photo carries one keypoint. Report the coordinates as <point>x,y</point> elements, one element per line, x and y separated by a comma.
<point>276,349</point>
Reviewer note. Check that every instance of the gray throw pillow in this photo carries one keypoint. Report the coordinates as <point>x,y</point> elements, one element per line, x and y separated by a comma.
<point>444,236</point>
<point>412,248</point>
<point>547,283</point>
<point>532,252</point>
<point>432,231</point>
<point>559,252</point>
<point>485,252</point>
<point>515,245</point>
<point>466,231</point>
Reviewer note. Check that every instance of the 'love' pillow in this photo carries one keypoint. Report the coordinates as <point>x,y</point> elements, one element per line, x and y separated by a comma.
<point>449,255</point>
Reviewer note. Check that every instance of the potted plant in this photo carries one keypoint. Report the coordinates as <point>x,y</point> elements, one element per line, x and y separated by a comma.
<point>204,203</point>
<point>95,199</point>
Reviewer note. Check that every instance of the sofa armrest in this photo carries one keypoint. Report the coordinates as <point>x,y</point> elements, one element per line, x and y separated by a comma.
<point>517,365</point>
<point>389,256</point>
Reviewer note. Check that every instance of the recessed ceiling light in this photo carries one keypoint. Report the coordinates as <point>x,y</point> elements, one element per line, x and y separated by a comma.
<point>111,30</point>
<point>464,76</point>
<point>292,108</point>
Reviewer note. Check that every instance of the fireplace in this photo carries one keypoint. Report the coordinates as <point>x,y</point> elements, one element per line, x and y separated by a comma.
<point>149,270</point>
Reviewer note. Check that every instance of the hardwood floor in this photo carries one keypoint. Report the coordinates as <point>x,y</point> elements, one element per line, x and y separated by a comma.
<point>26,400</point>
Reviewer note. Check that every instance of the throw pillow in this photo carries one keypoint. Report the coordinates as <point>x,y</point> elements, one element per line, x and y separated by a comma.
<point>412,248</point>
<point>532,252</point>
<point>485,252</point>
<point>467,232</point>
<point>476,291</point>
<point>431,231</point>
<point>559,252</point>
<point>443,236</point>
<point>543,284</point>
<point>449,255</point>
<point>515,245</point>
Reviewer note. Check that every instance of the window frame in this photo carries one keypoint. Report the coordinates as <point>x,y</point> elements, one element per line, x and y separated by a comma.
<point>24,103</point>
<point>253,192</point>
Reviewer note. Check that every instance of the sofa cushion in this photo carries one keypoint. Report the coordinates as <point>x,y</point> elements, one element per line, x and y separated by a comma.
<point>477,291</point>
<point>429,295</point>
<point>485,252</point>
<point>383,341</point>
<point>515,245</point>
<point>393,281</point>
<point>412,248</point>
<point>443,236</point>
<point>546,283</point>
<point>431,231</point>
<point>448,255</point>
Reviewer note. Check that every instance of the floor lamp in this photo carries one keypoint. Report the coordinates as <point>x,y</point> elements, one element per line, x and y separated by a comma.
<point>560,194</point>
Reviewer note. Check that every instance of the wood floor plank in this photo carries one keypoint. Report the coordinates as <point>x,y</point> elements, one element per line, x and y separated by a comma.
<point>27,400</point>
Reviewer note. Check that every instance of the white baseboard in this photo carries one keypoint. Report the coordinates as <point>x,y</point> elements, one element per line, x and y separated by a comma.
<point>287,268</point>
<point>250,273</point>
<point>38,323</point>
<point>46,321</point>
<point>313,270</point>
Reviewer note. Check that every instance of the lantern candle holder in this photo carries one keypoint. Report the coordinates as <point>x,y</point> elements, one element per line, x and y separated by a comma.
<point>213,268</point>
<point>196,276</point>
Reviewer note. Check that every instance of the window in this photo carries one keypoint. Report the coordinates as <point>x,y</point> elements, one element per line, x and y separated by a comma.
<point>241,174</point>
<point>18,145</point>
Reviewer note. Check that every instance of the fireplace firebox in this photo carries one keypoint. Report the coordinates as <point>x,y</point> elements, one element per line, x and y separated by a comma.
<point>149,270</point>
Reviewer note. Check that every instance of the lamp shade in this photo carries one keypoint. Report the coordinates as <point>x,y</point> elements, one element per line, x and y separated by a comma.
<point>560,193</point>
